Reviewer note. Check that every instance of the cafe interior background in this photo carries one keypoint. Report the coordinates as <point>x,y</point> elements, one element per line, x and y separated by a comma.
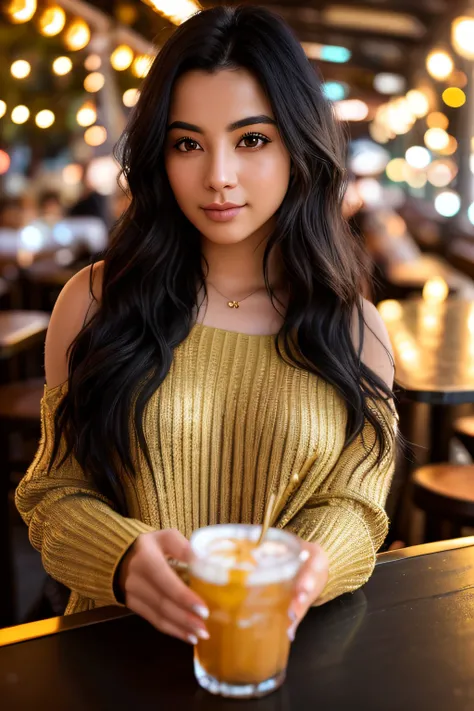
<point>399,73</point>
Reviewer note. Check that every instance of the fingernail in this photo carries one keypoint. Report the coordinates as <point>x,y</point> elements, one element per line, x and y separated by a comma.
<point>291,633</point>
<point>320,565</point>
<point>302,597</point>
<point>202,634</point>
<point>309,586</point>
<point>304,555</point>
<point>292,615</point>
<point>193,639</point>
<point>201,611</point>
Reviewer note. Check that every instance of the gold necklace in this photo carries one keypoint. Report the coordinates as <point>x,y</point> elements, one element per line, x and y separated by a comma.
<point>232,304</point>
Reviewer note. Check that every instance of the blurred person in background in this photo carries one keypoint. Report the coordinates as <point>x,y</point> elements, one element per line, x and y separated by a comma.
<point>221,346</point>
<point>50,207</point>
<point>12,214</point>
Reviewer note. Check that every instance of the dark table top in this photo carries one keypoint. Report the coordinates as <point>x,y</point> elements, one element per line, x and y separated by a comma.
<point>19,330</point>
<point>405,642</point>
<point>433,346</point>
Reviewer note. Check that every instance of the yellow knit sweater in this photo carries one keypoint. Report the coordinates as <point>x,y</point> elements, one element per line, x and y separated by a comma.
<point>230,423</point>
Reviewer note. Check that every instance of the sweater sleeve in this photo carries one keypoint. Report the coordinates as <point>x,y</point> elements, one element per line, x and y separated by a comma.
<point>79,535</point>
<point>346,515</point>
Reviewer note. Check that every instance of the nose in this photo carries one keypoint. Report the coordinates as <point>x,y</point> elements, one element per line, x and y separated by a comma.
<point>221,169</point>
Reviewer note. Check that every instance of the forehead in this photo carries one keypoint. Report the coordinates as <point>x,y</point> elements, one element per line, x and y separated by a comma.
<point>218,99</point>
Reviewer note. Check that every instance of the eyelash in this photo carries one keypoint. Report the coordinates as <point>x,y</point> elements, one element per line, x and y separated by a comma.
<point>246,135</point>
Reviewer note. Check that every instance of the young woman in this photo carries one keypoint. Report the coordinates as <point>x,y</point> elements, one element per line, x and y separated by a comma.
<point>221,344</point>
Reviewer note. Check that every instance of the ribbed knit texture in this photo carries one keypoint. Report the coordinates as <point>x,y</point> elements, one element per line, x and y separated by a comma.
<point>230,423</point>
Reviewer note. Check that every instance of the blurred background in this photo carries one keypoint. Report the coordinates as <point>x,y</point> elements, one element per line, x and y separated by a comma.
<point>399,73</point>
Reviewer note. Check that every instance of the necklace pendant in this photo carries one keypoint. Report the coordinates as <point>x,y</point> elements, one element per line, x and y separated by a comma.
<point>233,304</point>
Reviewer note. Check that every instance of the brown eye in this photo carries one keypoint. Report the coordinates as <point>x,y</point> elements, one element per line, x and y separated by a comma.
<point>253,140</point>
<point>189,143</point>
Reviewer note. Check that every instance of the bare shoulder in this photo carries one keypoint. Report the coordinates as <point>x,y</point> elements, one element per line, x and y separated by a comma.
<point>76,304</point>
<point>377,353</point>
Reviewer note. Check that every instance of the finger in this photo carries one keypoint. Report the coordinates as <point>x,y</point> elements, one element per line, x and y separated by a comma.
<point>174,544</point>
<point>164,625</point>
<point>161,576</point>
<point>182,618</point>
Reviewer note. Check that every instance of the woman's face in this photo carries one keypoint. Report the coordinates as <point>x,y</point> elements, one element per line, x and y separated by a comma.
<point>223,146</point>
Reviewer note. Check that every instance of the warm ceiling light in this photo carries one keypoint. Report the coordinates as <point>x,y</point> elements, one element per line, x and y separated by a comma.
<point>141,65</point>
<point>386,83</point>
<point>351,110</point>
<point>450,148</point>
<point>20,69</point>
<point>327,52</point>
<point>122,57</point>
<point>441,173</point>
<point>77,35</point>
<point>371,20</point>
<point>462,32</point>
<point>177,11</point>
<point>72,173</point>
<point>418,103</point>
<point>21,10</point>
<point>62,66</point>
<point>87,115</point>
<point>20,114</point>
<point>3,108</point>
<point>95,136</point>
<point>437,120</point>
<point>52,21</point>
<point>458,78</point>
<point>436,139</point>
<point>435,289</point>
<point>416,179</point>
<point>93,62</point>
<point>454,97</point>
<point>44,119</point>
<point>94,82</point>
<point>439,64</point>
<point>399,117</point>
<point>130,97</point>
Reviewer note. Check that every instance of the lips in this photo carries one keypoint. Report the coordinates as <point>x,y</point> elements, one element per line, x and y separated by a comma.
<point>223,215</point>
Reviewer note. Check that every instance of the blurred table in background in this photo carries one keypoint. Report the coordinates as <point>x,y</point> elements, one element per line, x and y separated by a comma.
<point>411,276</point>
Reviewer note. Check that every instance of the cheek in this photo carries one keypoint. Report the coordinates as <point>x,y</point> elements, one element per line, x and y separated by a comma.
<point>268,180</point>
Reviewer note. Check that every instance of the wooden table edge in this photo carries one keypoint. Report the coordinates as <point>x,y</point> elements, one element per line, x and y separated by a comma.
<point>53,625</point>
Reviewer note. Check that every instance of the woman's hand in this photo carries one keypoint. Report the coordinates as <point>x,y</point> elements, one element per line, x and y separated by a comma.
<point>310,583</point>
<point>154,591</point>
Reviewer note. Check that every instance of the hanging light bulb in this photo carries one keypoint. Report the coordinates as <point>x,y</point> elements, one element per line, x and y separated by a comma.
<point>439,64</point>
<point>52,21</point>
<point>462,33</point>
<point>87,115</point>
<point>20,114</point>
<point>20,69</point>
<point>62,66</point>
<point>77,35</point>
<point>121,58</point>
<point>21,10</point>
<point>45,118</point>
<point>141,65</point>
<point>94,82</point>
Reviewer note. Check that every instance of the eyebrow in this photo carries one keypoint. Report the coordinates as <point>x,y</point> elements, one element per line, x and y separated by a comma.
<point>249,121</point>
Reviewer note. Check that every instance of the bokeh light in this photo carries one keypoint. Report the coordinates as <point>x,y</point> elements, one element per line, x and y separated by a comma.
<point>20,11</point>
<point>20,114</point>
<point>396,170</point>
<point>435,290</point>
<point>87,115</point>
<point>141,65</point>
<point>439,64</point>
<point>93,62</point>
<point>3,108</point>
<point>450,148</point>
<point>462,34</point>
<point>437,120</point>
<point>131,97</point>
<point>441,172</point>
<point>45,118</point>
<point>121,58</point>
<point>94,82</point>
<point>418,157</point>
<point>448,203</point>
<point>52,21</point>
<point>436,139</point>
<point>20,69</point>
<point>62,66</point>
<point>72,174</point>
<point>418,103</point>
<point>4,162</point>
<point>77,35</point>
<point>454,97</point>
<point>95,136</point>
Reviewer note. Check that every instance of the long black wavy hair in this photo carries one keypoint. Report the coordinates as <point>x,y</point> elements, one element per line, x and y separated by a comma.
<point>154,267</point>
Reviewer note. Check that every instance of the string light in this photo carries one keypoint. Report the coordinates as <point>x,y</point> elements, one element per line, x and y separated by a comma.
<point>93,62</point>
<point>351,110</point>
<point>437,120</point>
<point>87,115</point>
<point>77,35</point>
<point>448,203</point>
<point>439,64</point>
<point>450,148</point>
<point>418,103</point>
<point>454,97</point>
<point>45,118</point>
<point>20,69</point>
<point>95,136</point>
<point>62,66</point>
<point>3,108</point>
<point>20,114</point>
<point>396,170</point>
<point>418,157</point>
<point>131,97</point>
<point>177,11</point>
<point>141,65</point>
<point>441,173</point>
<point>52,21</point>
<point>436,139</point>
<point>121,58</point>
<point>94,82</point>
<point>21,10</point>
<point>462,32</point>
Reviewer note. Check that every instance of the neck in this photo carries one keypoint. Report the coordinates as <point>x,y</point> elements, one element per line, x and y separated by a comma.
<point>238,268</point>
